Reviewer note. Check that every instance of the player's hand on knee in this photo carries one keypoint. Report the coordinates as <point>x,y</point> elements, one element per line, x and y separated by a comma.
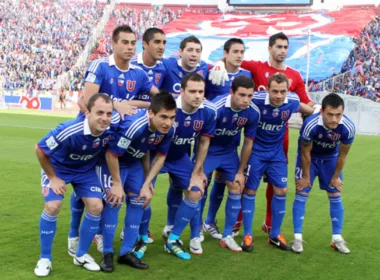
<point>240,181</point>
<point>58,186</point>
<point>116,195</point>
<point>146,193</point>
<point>303,183</point>
<point>337,183</point>
<point>218,74</point>
<point>197,180</point>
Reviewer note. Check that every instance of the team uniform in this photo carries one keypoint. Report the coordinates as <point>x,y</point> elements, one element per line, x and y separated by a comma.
<point>324,156</point>
<point>156,74</point>
<point>73,153</point>
<point>222,154</point>
<point>132,142</point>
<point>268,157</point>
<point>213,91</point>
<point>175,73</point>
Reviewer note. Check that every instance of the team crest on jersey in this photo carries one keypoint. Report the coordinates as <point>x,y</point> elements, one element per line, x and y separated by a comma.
<point>198,125</point>
<point>96,143</point>
<point>200,72</point>
<point>158,139</point>
<point>275,112</point>
<point>285,115</point>
<point>334,136</point>
<point>131,85</point>
<point>241,121</point>
<point>157,78</point>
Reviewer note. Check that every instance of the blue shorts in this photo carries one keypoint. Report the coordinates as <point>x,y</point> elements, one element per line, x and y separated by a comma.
<point>180,172</point>
<point>227,165</point>
<point>324,169</point>
<point>276,171</point>
<point>84,184</point>
<point>132,178</point>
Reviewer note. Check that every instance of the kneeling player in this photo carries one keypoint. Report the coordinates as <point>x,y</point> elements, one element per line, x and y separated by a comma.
<point>68,155</point>
<point>324,142</point>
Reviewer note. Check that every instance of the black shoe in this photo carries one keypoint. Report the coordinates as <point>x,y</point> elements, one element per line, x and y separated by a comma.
<point>279,243</point>
<point>106,264</point>
<point>131,259</point>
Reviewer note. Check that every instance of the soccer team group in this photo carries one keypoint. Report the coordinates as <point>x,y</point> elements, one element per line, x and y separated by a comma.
<point>146,115</point>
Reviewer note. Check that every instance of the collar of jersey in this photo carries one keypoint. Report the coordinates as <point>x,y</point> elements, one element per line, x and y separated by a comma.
<point>111,62</point>
<point>228,103</point>
<point>276,68</point>
<point>267,102</point>
<point>141,61</point>
<point>179,62</point>
<point>179,105</point>
<point>320,122</point>
<point>87,130</point>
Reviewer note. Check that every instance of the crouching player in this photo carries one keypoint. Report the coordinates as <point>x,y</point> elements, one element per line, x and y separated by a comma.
<point>323,145</point>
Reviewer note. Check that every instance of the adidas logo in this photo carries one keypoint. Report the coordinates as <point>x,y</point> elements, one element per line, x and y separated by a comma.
<point>235,116</point>
<point>121,76</point>
<point>150,72</point>
<point>188,118</point>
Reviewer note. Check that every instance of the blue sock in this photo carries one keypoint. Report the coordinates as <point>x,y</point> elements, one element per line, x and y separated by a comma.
<point>132,224</point>
<point>202,204</point>
<point>278,213</point>
<point>48,227</point>
<point>185,213</point>
<point>233,206</point>
<point>195,226</point>
<point>173,200</point>
<point>144,226</point>
<point>109,224</point>
<point>336,214</point>
<point>77,208</point>
<point>248,209</point>
<point>88,230</point>
<point>216,198</point>
<point>299,212</point>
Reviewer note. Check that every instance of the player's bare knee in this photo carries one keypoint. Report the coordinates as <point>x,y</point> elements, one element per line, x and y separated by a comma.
<point>250,192</point>
<point>94,206</point>
<point>194,196</point>
<point>334,194</point>
<point>303,193</point>
<point>280,191</point>
<point>52,208</point>
<point>233,188</point>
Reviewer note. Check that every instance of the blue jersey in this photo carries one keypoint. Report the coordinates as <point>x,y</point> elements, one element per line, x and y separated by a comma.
<point>134,138</point>
<point>71,146</point>
<point>213,91</point>
<point>326,141</point>
<point>118,84</point>
<point>229,124</point>
<point>175,73</point>
<point>155,73</point>
<point>190,126</point>
<point>270,133</point>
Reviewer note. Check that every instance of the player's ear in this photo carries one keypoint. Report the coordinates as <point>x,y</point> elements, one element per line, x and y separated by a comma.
<point>87,113</point>
<point>150,113</point>
<point>224,53</point>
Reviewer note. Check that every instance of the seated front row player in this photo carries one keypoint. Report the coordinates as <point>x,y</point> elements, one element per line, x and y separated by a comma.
<point>68,155</point>
<point>324,142</point>
<point>276,107</point>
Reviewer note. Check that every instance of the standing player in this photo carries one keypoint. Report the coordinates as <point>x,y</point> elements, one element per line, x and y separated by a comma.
<point>235,111</point>
<point>324,142</point>
<point>268,156</point>
<point>128,164</point>
<point>261,71</point>
<point>233,54</point>
<point>68,155</point>
<point>195,121</point>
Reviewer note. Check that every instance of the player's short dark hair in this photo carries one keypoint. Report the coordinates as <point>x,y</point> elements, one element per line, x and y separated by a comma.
<point>278,78</point>
<point>162,100</point>
<point>193,76</point>
<point>228,44</point>
<point>274,37</point>
<point>242,81</point>
<point>150,32</point>
<point>333,100</point>
<point>119,29</point>
<point>96,96</point>
<point>190,39</point>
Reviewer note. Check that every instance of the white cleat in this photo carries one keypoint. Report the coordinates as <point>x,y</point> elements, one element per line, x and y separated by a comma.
<point>230,243</point>
<point>98,239</point>
<point>195,246</point>
<point>340,245</point>
<point>87,262</point>
<point>297,246</point>
<point>202,236</point>
<point>166,231</point>
<point>213,230</point>
<point>235,234</point>
<point>72,246</point>
<point>43,268</point>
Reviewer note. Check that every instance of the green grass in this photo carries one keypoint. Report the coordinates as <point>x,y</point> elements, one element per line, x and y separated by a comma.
<point>22,205</point>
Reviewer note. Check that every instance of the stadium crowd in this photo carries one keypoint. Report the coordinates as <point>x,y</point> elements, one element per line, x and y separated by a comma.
<point>41,40</point>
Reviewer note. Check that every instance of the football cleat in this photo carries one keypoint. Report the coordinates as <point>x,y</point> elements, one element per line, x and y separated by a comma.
<point>177,249</point>
<point>297,246</point>
<point>140,248</point>
<point>247,244</point>
<point>213,230</point>
<point>43,268</point>
<point>340,245</point>
<point>166,232</point>
<point>131,259</point>
<point>196,246</point>
<point>72,246</point>
<point>230,243</point>
<point>98,239</point>
<point>87,262</point>
<point>106,264</point>
<point>150,237</point>
<point>279,242</point>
